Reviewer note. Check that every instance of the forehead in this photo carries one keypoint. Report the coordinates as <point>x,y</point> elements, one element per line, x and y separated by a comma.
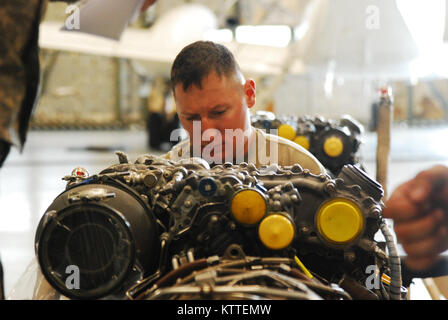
<point>210,81</point>
<point>213,88</point>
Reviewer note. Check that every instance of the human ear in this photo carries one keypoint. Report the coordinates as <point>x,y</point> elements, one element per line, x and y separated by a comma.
<point>250,92</point>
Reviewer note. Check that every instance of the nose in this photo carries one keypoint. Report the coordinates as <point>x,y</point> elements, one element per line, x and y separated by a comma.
<point>209,130</point>
<point>207,124</point>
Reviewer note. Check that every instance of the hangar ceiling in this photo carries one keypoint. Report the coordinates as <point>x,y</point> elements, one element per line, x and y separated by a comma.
<point>248,12</point>
<point>332,42</point>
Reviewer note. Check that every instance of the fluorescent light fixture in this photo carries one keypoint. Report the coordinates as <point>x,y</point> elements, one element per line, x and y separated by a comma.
<point>274,35</point>
<point>218,35</point>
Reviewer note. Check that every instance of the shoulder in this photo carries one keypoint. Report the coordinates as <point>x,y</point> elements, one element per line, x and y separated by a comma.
<point>290,153</point>
<point>282,142</point>
<point>179,151</point>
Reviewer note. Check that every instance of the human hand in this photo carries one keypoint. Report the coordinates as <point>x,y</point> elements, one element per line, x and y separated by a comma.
<point>419,209</point>
<point>147,4</point>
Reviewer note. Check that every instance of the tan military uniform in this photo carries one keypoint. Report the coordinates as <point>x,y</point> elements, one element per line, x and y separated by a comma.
<point>264,150</point>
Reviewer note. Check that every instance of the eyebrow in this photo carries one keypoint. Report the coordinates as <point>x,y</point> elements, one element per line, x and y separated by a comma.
<point>225,105</point>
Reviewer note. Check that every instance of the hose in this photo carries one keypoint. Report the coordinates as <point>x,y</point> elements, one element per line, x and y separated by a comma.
<point>394,262</point>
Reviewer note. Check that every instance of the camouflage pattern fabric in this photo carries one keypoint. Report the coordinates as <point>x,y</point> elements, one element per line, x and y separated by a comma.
<point>19,68</point>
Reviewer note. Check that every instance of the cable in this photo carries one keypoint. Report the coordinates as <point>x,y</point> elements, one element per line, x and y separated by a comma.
<point>394,261</point>
<point>303,268</point>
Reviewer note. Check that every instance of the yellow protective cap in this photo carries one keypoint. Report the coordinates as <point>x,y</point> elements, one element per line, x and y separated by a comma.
<point>303,141</point>
<point>333,146</point>
<point>248,206</point>
<point>276,231</point>
<point>339,221</point>
<point>286,131</point>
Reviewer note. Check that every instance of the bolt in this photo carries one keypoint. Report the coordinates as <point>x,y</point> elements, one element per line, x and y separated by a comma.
<point>206,289</point>
<point>330,187</point>
<point>305,229</point>
<point>276,205</point>
<point>150,180</point>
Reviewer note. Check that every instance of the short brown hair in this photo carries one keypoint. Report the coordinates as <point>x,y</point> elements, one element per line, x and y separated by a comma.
<point>198,59</point>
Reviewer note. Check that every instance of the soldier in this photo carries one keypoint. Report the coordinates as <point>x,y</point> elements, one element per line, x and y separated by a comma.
<point>213,98</point>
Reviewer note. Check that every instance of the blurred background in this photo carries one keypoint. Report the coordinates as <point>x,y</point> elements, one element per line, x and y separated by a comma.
<point>308,57</point>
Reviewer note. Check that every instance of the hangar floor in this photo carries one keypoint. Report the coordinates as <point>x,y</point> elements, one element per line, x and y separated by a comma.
<point>29,181</point>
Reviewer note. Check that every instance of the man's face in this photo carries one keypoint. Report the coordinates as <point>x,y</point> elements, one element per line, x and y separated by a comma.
<point>217,110</point>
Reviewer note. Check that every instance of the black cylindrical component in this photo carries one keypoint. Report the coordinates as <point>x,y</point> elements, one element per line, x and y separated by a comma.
<point>98,233</point>
<point>333,147</point>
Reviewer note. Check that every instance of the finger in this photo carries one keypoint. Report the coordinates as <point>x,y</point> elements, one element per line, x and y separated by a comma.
<point>399,207</point>
<point>419,228</point>
<point>420,190</point>
<point>421,263</point>
<point>441,196</point>
<point>401,210</point>
<point>433,173</point>
<point>414,198</point>
<point>436,179</point>
<point>428,246</point>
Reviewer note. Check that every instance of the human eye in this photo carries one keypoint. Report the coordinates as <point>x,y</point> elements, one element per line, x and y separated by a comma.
<point>193,118</point>
<point>217,113</point>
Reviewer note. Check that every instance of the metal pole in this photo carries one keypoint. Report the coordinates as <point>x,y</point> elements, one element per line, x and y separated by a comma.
<point>385,117</point>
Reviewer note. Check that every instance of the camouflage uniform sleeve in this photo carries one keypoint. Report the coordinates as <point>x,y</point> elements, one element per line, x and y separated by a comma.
<point>17,19</point>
